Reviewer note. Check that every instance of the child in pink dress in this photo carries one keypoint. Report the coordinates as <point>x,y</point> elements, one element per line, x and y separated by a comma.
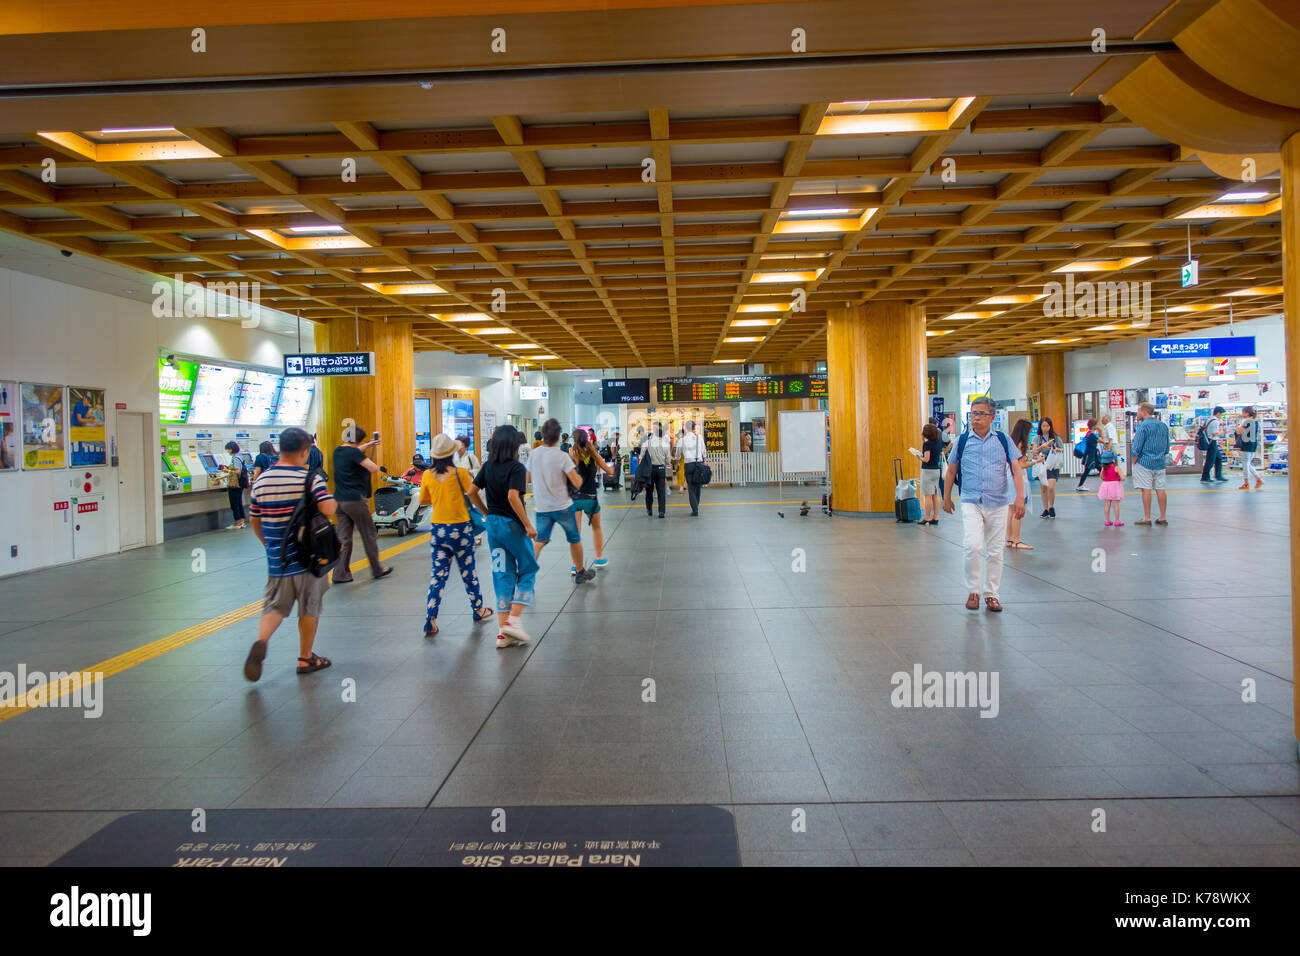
<point>1112,487</point>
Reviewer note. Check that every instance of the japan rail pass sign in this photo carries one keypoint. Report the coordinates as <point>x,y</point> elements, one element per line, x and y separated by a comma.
<point>329,363</point>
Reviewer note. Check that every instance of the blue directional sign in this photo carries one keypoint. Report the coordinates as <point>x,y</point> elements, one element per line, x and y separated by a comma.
<point>1236,346</point>
<point>329,363</point>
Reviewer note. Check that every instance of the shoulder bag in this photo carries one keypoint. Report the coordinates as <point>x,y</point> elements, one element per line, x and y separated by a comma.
<point>476,518</point>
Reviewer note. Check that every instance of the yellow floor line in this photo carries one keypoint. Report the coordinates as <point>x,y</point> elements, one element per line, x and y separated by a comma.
<point>45,694</point>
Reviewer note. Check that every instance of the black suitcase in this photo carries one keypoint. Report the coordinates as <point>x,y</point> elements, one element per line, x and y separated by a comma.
<point>611,481</point>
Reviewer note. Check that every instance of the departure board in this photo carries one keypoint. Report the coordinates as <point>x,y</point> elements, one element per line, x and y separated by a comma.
<point>741,388</point>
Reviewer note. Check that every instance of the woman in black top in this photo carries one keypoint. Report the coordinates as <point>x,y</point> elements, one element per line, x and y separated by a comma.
<point>1048,448</point>
<point>514,565</point>
<point>931,460</point>
<point>588,462</point>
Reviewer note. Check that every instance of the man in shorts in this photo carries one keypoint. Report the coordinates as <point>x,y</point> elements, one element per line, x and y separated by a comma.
<point>1150,445</point>
<point>553,472</point>
<point>275,495</point>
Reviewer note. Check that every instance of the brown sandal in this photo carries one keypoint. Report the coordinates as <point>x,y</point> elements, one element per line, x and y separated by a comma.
<point>973,602</point>
<point>253,663</point>
<point>992,603</point>
<point>487,615</point>
<point>313,664</point>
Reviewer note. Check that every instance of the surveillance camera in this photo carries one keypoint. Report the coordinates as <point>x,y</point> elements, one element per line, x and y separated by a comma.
<point>66,252</point>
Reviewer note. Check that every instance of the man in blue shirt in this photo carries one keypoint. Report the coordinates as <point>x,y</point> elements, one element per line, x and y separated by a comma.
<point>990,481</point>
<point>1150,445</point>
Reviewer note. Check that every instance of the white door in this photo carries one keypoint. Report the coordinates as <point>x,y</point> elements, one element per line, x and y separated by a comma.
<point>131,479</point>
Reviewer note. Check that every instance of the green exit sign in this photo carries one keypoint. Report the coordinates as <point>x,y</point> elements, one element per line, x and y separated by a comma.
<point>1191,271</point>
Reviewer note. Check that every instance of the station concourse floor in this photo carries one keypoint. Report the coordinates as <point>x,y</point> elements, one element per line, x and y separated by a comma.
<point>1119,688</point>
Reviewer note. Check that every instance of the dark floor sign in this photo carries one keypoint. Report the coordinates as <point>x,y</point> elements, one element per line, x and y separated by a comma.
<point>623,837</point>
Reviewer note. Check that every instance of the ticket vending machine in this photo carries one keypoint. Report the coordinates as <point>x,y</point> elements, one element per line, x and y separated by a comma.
<point>194,464</point>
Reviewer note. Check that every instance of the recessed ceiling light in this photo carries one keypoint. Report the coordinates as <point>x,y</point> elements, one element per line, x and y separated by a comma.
<point>843,211</point>
<point>589,381</point>
<point>761,307</point>
<point>461,317</point>
<point>1100,265</point>
<point>543,358</point>
<point>1244,196</point>
<point>494,330</point>
<point>728,361</point>
<point>137,129</point>
<point>318,229</point>
<point>1260,290</point>
<point>791,277</point>
<point>971,315</point>
<point>520,346</point>
<point>747,323</point>
<point>743,338</point>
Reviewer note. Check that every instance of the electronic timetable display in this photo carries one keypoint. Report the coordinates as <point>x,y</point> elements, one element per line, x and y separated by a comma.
<point>741,388</point>
<point>622,391</point>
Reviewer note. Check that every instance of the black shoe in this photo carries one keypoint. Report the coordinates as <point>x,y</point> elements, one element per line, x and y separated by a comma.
<point>661,514</point>
<point>1044,514</point>
<point>695,514</point>
<point>583,576</point>
<point>1051,512</point>
<point>384,573</point>
<point>1205,481</point>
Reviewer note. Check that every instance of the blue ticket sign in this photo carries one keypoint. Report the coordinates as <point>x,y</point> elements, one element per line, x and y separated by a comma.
<point>1236,346</point>
<point>329,363</point>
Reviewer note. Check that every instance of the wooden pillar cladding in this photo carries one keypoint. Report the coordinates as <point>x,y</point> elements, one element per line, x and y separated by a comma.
<point>1045,374</point>
<point>876,358</point>
<point>382,402</point>
<point>774,406</point>
<point>1291,320</point>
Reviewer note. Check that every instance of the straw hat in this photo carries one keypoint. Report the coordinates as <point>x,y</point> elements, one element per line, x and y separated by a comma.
<point>443,447</point>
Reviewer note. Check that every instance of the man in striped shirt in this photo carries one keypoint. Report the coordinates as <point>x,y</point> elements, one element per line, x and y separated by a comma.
<point>275,494</point>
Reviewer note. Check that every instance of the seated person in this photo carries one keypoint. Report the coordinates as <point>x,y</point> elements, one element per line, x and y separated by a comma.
<point>416,471</point>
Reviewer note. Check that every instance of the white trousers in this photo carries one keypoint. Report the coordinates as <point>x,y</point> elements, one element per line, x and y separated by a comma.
<point>984,539</point>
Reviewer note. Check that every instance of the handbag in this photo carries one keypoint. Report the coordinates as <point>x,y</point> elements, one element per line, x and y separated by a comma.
<point>476,518</point>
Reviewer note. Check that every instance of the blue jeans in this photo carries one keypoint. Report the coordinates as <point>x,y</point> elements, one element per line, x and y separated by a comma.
<point>514,566</point>
<point>566,519</point>
<point>452,542</point>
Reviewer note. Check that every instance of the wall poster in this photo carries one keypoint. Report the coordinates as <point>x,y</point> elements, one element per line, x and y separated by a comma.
<point>673,418</point>
<point>87,434</point>
<point>44,438</point>
<point>8,426</point>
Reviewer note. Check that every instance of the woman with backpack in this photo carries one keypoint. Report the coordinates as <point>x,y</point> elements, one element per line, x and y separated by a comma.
<point>1089,456</point>
<point>1248,442</point>
<point>449,491</point>
<point>238,481</point>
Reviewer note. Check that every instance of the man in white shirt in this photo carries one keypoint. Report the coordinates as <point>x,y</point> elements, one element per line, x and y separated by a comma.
<point>1213,456</point>
<point>1109,434</point>
<point>552,472</point>
<point>692,451</point>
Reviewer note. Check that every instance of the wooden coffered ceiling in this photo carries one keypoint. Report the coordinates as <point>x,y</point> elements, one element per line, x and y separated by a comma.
<point>967,204</point>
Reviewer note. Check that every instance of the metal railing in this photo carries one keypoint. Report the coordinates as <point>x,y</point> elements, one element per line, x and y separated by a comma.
<point>756,468</point>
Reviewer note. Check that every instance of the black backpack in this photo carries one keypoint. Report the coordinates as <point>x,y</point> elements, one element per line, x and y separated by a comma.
<point>243,472</point>
<point>1202,442</point>
<point>309,537</point>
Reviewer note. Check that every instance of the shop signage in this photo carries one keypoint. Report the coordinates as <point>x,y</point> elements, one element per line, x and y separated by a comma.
<point>60,506</point>
<point>329,363</point>
<point>1231,346</point>
<point>1191,272</point>
<point>85,507</point>
<point>1117,398</point>
<point>931,383</point>
<point>936,407</point>
<point>715,436</point>
<point>532,393</point>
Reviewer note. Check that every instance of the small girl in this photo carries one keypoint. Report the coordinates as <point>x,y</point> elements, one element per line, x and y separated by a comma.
<point>1112,486</point>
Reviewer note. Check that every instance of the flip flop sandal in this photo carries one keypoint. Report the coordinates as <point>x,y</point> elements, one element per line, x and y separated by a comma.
<point>487,615</point>
<point>429,631</point>
<point>973,602</point>
<point>253,663</point>
<point>993,604</point>
<point>314,663</point>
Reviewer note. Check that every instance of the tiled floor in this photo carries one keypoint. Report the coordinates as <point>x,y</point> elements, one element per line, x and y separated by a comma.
<point>1119,689</point>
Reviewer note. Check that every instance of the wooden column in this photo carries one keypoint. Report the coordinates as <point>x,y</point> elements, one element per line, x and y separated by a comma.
<point>1291,324</point>
<point>876,358</point>
<point>1045,374</point>
<point>383,402</point>
<point>774,406</point>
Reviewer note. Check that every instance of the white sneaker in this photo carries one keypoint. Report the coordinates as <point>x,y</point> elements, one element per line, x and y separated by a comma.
<point>515,633</point>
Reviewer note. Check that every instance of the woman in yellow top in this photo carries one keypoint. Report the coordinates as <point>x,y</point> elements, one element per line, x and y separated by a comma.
<point>445,487</point>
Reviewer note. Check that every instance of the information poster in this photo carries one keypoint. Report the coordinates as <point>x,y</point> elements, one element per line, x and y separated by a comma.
<point>44,438</point>
<point>8,426</point>
<point>175,389</point>
<point>760,434</point>
<point>423,437</point>
<point>746,436</point>
<point>87,435</point>
<point>673,418</point>
<point>715,436</point>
